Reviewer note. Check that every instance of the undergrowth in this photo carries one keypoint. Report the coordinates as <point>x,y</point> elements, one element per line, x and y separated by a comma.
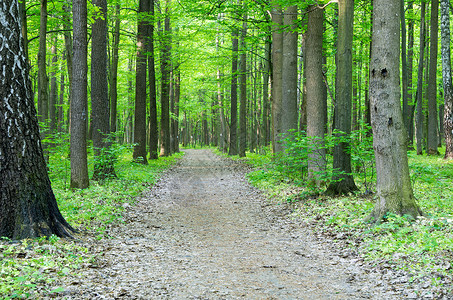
<point>32,268</point>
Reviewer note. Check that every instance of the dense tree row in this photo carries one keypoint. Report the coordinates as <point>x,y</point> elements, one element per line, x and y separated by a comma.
<point>243,75</point>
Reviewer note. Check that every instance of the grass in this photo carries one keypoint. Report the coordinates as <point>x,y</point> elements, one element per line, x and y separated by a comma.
<point>32,268</point>
<point>423,248</point>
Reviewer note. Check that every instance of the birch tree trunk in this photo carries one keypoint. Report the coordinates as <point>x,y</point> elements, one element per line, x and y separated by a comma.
<point>446,76</point>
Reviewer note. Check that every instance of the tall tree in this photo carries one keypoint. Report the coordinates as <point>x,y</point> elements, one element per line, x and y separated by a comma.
<point>153,125</point>
<point>277,69</point>
<point>53,86</point>
<point>394,190</point>
<point>100,111</point>
<point>432,81</point>
<point>43,95</point>
<point>343,182</point>
<point>79,106</point>
<point>140,86</point>
<point>243,90</point>
<point>165,68</point>
<point>113,93</point>
<point>233,150</point>
<point>410,66</point>
<point>289,71</point>
<point>419,95</point>
<point>27,204</point>
<point>446,76</point>
<point>316,103</point>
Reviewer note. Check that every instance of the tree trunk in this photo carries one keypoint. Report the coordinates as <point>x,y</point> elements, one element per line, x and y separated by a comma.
<point>432,82</point>
<point>316,104</point>
<point>79,106</point>
<point>60,118</point>
<point>243,91</point>
<point>446,76</point>
<point>153,125</point>
<point>410,64</point>
<point>28,207</point>
<point>100,111</point>
<point>165,88</point>
<point>394,190</point>
<point>404,68</point>
<point>234,94</point>
<point>53,88</point>
<point>277,66</point>
<point>140,87</point>
<point>266,104</point>
<point>289,72</point>
<point>419,94</point>
<point>68,46</point>
<point>343,183</point>
<point>176,109</point>
<point>114,71</point>
<point>43,96</point>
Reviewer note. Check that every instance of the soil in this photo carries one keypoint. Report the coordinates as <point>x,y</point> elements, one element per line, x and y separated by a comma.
<point>202,232</point>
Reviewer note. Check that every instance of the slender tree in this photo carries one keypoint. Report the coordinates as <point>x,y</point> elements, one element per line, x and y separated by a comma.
<point>100,111</point>
<point>243,90</point>
<point>394,190</point>
<point>43,95</point>
<point>140,86</point>
<point>316,103</point>
<point>446,76</point>
<point>432,81</point>
<point>277,69</point>
<point>27,204</point>
<point>419,95</point>
<point>343,182</point>
<point>153,125</point>
<point>233,149</point>
<point>79,106</point>
<point>113,92</point>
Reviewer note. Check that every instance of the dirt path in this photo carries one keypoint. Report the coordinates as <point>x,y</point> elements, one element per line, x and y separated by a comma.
<point>204,233</point>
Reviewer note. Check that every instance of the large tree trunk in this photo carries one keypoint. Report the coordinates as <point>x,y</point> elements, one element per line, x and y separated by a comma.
<point>100,111</point>
<point>243,92</point>
<point>394,190</point>
<point>79,106</point>
<point>153,125</point>
<point>289,72</point>
<point>410,64</point>
<point>233,150</point>
<point>446,76</point>
<point>277,66</point>
<point>165,88</point>
<point>404,69</point>
<point>419,94</point>
<point>27,204</point>
<point>140,87</point>
<point>432,82</point>
<point>316,103</point>
<point>343,183</point>
<point>114,71</point>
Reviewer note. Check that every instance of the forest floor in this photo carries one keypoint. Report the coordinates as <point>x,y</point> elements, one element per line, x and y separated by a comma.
<point>202,232</point>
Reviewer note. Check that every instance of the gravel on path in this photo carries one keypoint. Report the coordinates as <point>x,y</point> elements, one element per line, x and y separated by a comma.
<point>202,232</point>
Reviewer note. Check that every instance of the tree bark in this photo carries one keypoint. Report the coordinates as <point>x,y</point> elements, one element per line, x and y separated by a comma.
<point>289,72</point>
<point>28,207</point>
<point>316,103</point>
<point>277,66</point>
<point>404,68</point>
<point>233,150</point>
<point>153,125</point>
<point>419,94</point>
<point>446,76</point>
<point>243,91</point>
<point>432,82</point>
<point>140,87</point>
<point>266,104</point>
<point>343,183</point>
<point>79,106</point>
<point>100,111</point>
<point>114,71</point>
<point>43,95</point>
<point>410,64</point>
<point>394,190</point>
<point>53,88</point>
<point>165,88</point>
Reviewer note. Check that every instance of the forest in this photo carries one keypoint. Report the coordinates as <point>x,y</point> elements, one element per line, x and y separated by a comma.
<point>339,112</point>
